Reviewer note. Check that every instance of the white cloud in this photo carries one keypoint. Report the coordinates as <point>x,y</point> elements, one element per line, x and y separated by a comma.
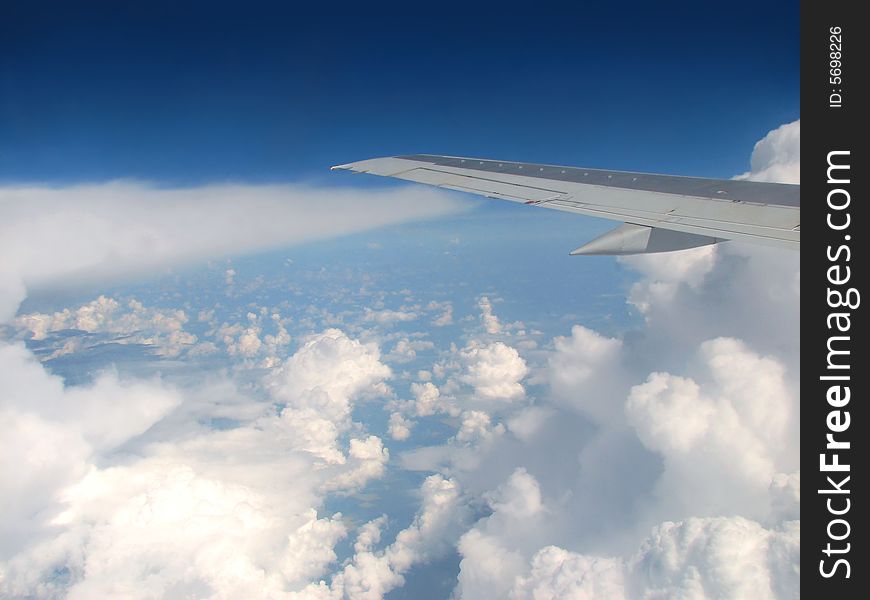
<point>490,321</point>
<point>158,528</point>
<point>687,267</point>
<point>50,236</point>
<point>585,373</point>
<point>476,426</point>
<point>724,442</point>
<point>518,498</point>
<point>446,316</point>
<point>494,370</point>
<point>715,557</point>
<point>241,339</point>
<point>369,534</point>
<point>400,427</point>
<point>490,559</point>
<point>52,434</point>
<point>389,317</point>
<point>366,460</point>
<point>557,573</point>
<point>528,422</point>
<point>185,509</point>
<point>777,157</point>
<point>97,417</point>
<point>371,574</point>
<point>209,486</point>
<point>319,383</point>
<point>275,343</point>
<point>406,349</point>
<point>326,371</point>
<point>129,322</point>
<point>428,399</point>
<point>728,558</point>
<point>487,569</point>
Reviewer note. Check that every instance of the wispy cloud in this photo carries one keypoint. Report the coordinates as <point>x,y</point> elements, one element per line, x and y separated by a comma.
<point>53,235</point>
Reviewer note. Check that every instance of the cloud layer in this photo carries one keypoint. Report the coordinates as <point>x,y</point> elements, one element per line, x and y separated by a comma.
<point>119,487</point>
<point>50,235</point>
<point>182,510</point>
<point>659,463</point>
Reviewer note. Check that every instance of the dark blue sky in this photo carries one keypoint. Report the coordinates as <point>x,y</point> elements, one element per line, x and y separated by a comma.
<point>257,92</point>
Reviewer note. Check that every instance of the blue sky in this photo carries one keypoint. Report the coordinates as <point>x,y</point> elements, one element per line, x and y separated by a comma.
<point>192,92</point>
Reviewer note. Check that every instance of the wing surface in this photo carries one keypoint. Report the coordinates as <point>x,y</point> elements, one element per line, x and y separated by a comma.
<point>699,210</point>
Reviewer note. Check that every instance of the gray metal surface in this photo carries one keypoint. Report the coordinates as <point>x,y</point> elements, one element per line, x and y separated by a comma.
<point>780,194</point>
<point>639,239</point>
<point>765,213</point>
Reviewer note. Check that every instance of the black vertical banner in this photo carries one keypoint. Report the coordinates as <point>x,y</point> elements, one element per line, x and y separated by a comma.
<point>834,380</point>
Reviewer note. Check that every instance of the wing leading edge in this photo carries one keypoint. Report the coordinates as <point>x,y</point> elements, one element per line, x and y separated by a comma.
<point>661,212</point>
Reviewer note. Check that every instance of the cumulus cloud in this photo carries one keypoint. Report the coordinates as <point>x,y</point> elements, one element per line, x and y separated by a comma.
<point>276,342</point>
<point>723,442</point>
<point>678,445</point>
<point>578,365</point>
<point>491,561</point>
<point>242,339</point>
<point>318,385</point>
<point>477,426</point>
<point>128,322</point>
<point>446,316</point>
<point>488,319</point>
<point>52,434</point>
<point>182,510</point>
<point>400,427</point>
<point>714,557</point>
<point>406,349</point>
<point>671,269</point>
<point>727,558</point>
<point>370,575</point>
<point>367,459</point>
<point>494,370</point>
<point>777,157</point>
<point>427,398</point>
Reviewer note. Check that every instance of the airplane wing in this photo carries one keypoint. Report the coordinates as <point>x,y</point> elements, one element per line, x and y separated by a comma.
<point>660,213</point>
